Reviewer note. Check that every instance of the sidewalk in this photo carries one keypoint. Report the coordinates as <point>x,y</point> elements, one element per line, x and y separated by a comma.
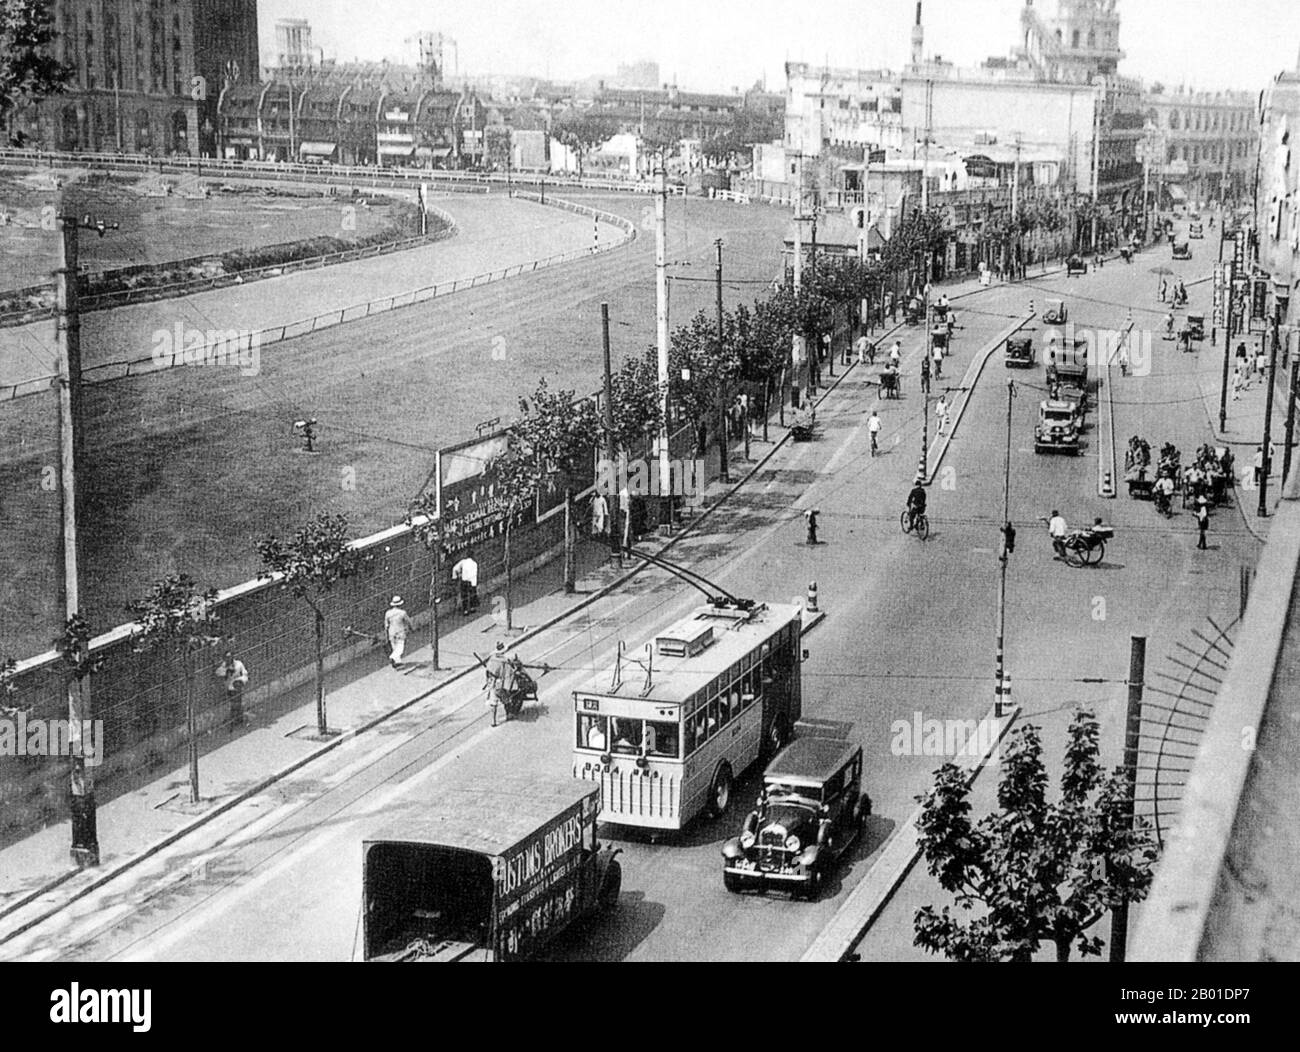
<point>1245,431</point>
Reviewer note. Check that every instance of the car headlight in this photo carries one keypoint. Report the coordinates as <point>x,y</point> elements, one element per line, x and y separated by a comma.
<point>747,839</point>
<point>792,843</point>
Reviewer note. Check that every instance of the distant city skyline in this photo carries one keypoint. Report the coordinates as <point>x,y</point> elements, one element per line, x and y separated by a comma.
<point>1206,44</point>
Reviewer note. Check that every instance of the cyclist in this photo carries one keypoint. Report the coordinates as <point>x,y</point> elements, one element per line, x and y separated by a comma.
<point>874,425</point>
<point>916,501</point>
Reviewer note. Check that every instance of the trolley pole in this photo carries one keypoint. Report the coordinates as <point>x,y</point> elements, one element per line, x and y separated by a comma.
<point>1004,558</point>
<point>1132,738</point>
<point>661,331</point>
<point>611,499</point>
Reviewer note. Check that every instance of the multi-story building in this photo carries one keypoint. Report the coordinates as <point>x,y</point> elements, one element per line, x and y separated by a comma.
<point>1277,220</point>
<point>293,46</point>
<point>684,114</point>
<point>1060,92</point>
<point>146,76</point>
<point>829,107</point>
<point>1205,143</point>
<point>353,114</point>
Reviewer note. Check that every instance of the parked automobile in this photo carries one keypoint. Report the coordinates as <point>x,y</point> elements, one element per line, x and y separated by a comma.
<point>1020,352</point>
<point>1057,430</point>
<point>1075,265</point>
<point>1196,231</point>
<point>1182,249</point>
<point>810,810</point>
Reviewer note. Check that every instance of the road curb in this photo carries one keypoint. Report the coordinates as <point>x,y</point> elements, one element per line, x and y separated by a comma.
<point>1106,480</point>
<point>968,382</point>
<point>868,900</point>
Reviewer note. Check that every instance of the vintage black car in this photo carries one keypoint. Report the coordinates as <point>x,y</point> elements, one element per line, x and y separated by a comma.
<point>811,809</point>
<point>1075,265</point>
<point>1020,352</point>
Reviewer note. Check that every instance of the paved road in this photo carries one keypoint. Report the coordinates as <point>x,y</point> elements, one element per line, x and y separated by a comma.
<point>910,629</point>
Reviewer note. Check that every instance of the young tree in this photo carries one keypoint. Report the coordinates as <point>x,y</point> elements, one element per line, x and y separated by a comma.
<point>561,431</point>
<point>582,132</point>
<point>1041,871</point>
<point>517,475</point>
<point>425,524</point>
<point>175,618</point>
<point>29,71</point>
<point>637,402</point>
<point>311,563</point>
<point>8,688</point>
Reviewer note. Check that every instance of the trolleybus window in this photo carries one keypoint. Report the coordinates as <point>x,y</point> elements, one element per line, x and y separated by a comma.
<point>661,740</point>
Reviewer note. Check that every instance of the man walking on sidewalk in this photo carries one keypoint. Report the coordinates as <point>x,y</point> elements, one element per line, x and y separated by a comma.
<point>1202,523</point>
<point>397,626</point>
<point>235,675</point>
<point>941,414</point>
<point>466,572</point>
<point>925,375</point>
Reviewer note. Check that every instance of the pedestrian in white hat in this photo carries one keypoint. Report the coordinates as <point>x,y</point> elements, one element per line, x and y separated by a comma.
<point>397,625</point>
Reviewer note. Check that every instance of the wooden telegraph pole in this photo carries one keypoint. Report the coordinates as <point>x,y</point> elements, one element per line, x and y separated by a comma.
<point>85,837</point>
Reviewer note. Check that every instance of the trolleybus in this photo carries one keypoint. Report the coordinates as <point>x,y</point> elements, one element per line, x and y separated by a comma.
<point>668,732</point>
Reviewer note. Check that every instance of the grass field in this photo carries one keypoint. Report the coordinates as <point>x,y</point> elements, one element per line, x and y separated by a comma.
<point>154,230</point>
<point>189,467</point>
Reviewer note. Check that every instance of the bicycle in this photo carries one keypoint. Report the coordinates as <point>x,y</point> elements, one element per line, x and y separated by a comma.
<point>915,522</point>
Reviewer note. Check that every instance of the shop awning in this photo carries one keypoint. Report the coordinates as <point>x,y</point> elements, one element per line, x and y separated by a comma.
<point>396,151</point>
<point>232,140</point>
<point>433,151</point>
<point>1176,193</point>
<point>317,149</point>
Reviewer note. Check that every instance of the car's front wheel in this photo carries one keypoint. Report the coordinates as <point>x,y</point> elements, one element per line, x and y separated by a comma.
<point>732,883</point>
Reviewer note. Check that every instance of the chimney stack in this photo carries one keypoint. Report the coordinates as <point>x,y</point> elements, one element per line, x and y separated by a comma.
<point>918,38</point>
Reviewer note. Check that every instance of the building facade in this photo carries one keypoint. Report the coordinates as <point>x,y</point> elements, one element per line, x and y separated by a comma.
<point>146,76</point>
<point>829,107</point>
<point>1204,144</point>
<point>1277,218</point>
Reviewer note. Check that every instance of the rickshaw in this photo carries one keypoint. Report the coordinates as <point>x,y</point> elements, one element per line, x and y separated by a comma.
<point>891,386</point>
<point>1196,326</point>
<point>522,686</point>
<point>939,336</point>
<point>1126,253</point>
<point>804,428</point>
<point>914,312</point>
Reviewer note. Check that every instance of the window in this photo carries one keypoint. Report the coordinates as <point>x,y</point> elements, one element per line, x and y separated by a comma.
<point>719,714</point>
<point>661,740</point>
<point>593,733</point>
<point>625,736</point>
<point>1074,40</point>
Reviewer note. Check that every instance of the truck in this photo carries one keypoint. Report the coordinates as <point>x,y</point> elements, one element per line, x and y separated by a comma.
<point>486,872</point>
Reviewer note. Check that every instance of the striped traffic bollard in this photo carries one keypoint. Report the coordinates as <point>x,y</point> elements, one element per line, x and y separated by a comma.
<point>811,605</point>
<point>923,468</point>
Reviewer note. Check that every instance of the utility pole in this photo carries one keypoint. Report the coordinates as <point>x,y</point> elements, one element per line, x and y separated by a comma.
<point>85,837</point>
<point>1096,165</point>
<point>1262,511</point>
<point>797,350</point>
<point>611,499</point>
<point>1008,540</point>
<point>1132,741</point>
<point>725,473</point>
<point>1290,419</point>
<point>661,327</point>
<point>1015,207</point>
